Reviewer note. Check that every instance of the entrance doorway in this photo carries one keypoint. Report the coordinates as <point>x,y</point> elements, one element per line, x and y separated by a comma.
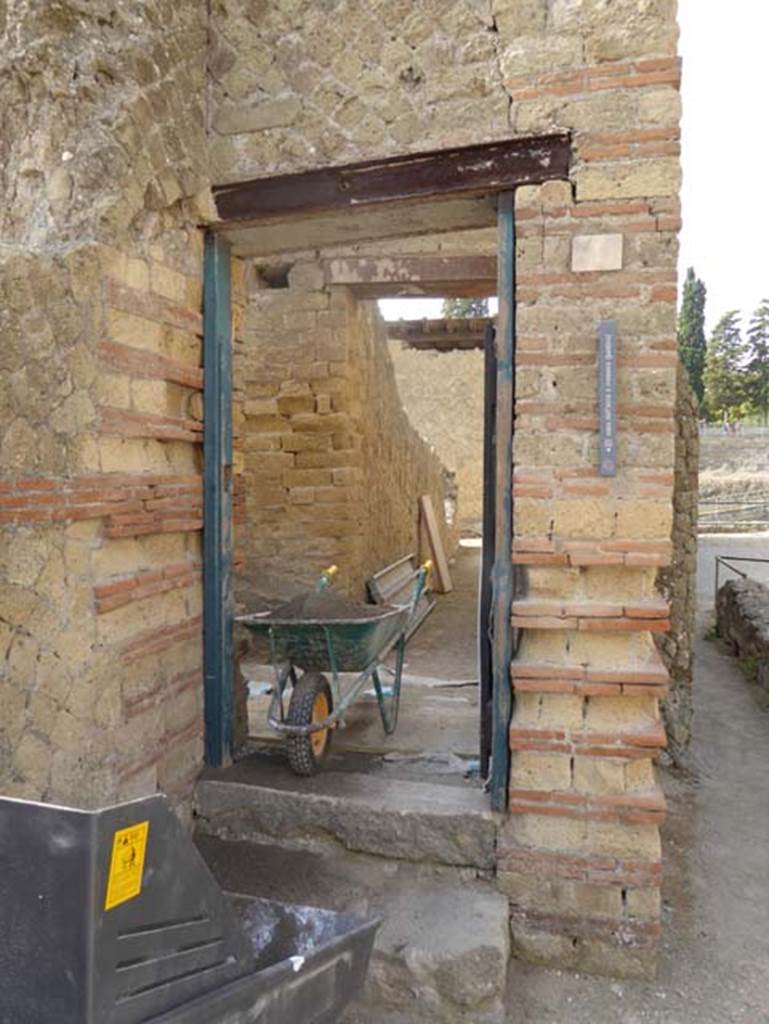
<point>460,191</point>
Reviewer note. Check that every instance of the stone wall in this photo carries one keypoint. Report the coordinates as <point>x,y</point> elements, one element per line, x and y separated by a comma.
<point>442,393</point>
<point>678,581</point>
<point>104,157</point>
<point>305,84</point>
<point>333,468</point>
<point>100,276</point>
<point>742,616</point>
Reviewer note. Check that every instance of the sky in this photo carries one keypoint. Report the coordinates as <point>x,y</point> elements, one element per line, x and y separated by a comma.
<point>725,155</point>
<point>725,151</point>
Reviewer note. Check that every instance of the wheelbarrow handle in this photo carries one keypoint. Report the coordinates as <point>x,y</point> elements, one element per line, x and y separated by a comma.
<point>326,577</point>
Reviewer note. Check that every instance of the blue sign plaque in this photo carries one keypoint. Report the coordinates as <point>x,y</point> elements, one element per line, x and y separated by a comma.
<point>607,397</point>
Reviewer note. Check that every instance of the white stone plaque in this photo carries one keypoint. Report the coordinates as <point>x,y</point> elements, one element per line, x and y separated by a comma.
<point>596,252</point>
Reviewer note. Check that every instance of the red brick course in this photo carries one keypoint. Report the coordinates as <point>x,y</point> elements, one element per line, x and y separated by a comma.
<point>153,307</point>
<point>140,363</point>
<point>130,504</point>
<point>123,423</point>
<point>150,583</point>
<point>591,616</point>
<point>152,641</point>
<point>630,744</point>
<point>637,74</point>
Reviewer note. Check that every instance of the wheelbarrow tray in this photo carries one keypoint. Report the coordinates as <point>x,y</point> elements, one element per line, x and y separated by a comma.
<point>354,644</point>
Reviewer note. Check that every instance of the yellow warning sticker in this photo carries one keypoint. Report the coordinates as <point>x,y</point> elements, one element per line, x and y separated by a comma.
<point>127,865</point>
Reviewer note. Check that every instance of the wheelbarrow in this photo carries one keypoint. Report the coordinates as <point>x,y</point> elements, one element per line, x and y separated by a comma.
<point>319,646</point>
<point>113,917</point>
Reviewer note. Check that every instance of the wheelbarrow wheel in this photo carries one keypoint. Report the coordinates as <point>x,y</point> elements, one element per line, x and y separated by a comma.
<point>310,702</point>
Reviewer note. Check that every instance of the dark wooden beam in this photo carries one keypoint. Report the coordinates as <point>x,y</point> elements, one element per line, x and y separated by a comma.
<point>445,335</point>
<point>469,170</point>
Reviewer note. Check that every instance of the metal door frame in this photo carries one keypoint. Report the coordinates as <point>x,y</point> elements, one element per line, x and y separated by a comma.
<point>218,605</point>
<point>502,573</point>
<point>217,504</point>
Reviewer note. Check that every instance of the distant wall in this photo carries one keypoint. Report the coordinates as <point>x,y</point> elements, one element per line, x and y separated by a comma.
<point>333,468</point>
<point>442,393</point>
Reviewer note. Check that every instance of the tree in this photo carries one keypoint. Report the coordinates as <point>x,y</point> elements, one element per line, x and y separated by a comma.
<point>691,332</point>
<point>758,360</point>
<point>459,308</point>
<point>725,371</point>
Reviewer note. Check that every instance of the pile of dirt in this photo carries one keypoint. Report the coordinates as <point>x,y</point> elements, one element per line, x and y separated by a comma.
<point>326,606</point>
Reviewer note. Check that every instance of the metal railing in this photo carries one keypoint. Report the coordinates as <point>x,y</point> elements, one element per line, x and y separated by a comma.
<point>725,561</point>
<point>732,514</point>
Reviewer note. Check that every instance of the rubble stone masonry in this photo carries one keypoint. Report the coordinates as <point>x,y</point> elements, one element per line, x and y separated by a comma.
<point>103,149</point>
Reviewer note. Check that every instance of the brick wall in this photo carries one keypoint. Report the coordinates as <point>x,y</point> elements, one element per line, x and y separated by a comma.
<point>333,468</point>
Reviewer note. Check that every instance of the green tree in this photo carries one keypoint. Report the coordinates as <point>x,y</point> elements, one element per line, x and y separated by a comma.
<point>459,308</point>
<point>725,372</point>
<point>691,332</point>
<point>758,361</point>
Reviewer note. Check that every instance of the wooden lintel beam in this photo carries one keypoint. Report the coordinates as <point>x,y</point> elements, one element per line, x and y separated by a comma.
<point>410,269</point>
<point>440,335</point>
<point>469,170</point>
<point>470,276</point>
<point>461,344</point>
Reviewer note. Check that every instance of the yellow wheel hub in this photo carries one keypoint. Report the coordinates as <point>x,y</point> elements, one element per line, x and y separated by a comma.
<point>320,711</point>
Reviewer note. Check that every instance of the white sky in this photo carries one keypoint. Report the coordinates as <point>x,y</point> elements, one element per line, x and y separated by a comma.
<point>726,150</point>
<point>725,237</point>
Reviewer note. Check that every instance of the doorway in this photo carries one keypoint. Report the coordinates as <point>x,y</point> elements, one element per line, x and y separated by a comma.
<point>277,217</point>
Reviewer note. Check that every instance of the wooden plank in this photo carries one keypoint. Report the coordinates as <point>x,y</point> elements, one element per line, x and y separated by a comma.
<point>370,223</point>
<point>441,270</point>
<point>442,577</point>
<point>502,648</point>
<point>472,170</point>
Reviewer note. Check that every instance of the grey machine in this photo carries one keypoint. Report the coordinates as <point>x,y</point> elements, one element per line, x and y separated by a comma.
<point>112,917</point>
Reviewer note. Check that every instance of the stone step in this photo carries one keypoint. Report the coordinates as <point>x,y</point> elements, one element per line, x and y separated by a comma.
<point>442,951</point>
<point>443,821</point>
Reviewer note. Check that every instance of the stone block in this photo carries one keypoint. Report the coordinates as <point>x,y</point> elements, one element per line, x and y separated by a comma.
<point>598,775</point>
<point>644,903</point>
<point>306,276</point>
<point>609,714</point>
<point>275,113</point>
<point>531,770</point>
<point>629,180</point>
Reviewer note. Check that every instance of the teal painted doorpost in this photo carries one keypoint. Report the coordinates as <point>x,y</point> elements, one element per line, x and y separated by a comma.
<point>217,501</point>
<point>502,574</point>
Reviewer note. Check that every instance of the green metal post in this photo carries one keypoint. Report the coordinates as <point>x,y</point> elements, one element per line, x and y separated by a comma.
<point>502,575</point>
<point>217,502</point>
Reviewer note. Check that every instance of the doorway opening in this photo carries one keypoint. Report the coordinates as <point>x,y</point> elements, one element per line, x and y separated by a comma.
<point>333,470</point>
